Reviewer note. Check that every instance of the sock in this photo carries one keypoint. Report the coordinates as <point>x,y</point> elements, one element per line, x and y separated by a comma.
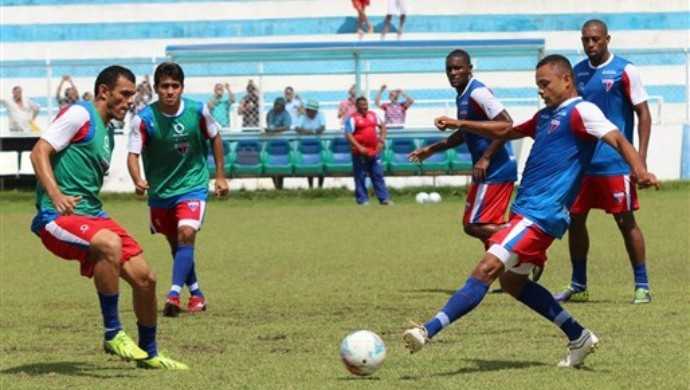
<point>111,320</point>
<point>461,303</point>
<point>640,271</point>
<point>184,259</point>
<point>540,300</point>
<point>579,279</point>
<point>147,339</point>
<point>192,282</point>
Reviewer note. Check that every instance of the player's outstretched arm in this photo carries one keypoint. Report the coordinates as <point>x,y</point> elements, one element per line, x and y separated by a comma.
<point>489,129</point>
<point>221,183</point>
<point>617,141</point>
<point>422,154</point>
<point>40,158</point>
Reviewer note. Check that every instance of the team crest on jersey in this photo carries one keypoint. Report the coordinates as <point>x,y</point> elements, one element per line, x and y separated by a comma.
<point>608,84</point>
<point>553,126</point>
<point>182,147</point>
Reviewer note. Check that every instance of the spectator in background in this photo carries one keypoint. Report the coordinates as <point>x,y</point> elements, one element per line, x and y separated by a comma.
<point>21,112</point>
<point>219,107</point>
<point>144,95</point>
<point>311,123</point>
<point>362,20</point>
<point>394,110</point>
<point>395,7</point>
<point>293,104</point>
<point>87,96</point>
<point>278,119</point>
<point>347,107</point>
<point>70,94</point>
<point>249,106</point>
<point>360,131</point>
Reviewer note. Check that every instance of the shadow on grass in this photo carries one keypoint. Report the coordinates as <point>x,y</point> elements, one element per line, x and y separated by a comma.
<point>482,365</point>
<point>79,369</point>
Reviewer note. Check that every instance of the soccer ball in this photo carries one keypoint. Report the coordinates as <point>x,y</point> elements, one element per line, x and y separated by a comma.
<point>434,197</point>
<point>362,352</point>
<point>422,198</point>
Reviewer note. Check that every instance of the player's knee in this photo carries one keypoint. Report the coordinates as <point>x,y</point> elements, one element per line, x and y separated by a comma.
<point>625,222</point>
<point>469,229</point>
<point>146,280</point>
<point>488,269</point>
<point>186,235</point>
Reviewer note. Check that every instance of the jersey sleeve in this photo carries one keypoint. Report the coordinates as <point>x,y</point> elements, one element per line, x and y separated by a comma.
<point>208,123</point>
<point>137,135</point>
<point>632,85</point>
<point>71,125</point>
<point>588,121</point>
<point>487,102</point>
<point>349,125</point>
<point>528,127</point>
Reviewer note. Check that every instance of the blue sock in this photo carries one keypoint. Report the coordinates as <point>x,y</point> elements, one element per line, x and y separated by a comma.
<point>461,303</point>
<point>147,339</point>
<point>192,282</point>
<point>640,271</point>
<point>184,259</point>
<point>540,300</point>
<point>579,279</point>
<point>111,320</point>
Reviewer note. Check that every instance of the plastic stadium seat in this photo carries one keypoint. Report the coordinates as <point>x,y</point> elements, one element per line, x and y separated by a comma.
<point>309,157</point>
<point>438,163</point>
<point>25,166</point>
<point>246,158</point>
<point>228,156</point>
<point>338,158</point>
<point>398,162</point>
<point>460,159</point>
<point>9,163</point>
<point>277,158</point>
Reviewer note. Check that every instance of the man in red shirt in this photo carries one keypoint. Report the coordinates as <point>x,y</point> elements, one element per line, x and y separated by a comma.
<point>360,131</point>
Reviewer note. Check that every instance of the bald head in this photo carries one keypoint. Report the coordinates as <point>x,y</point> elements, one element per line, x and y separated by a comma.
<point>597,24</point>
<point>555,80</point>
<point>560,65</point>
<point>595,41</point>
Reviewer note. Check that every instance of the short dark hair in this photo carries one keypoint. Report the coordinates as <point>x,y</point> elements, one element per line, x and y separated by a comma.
<point>168,69</point>
<point>110,75</point>
<point>597,22</point>
<point>558,60</point>
<point>360,98</point>
<point>460,53</point>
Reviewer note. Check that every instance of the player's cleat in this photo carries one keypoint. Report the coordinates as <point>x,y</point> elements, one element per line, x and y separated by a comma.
<point>415,338</point>
<point>579,349</point>
<point>162,362</point>
<point>572,295</point>
<point>642,295</point>
<point>196,304</point>
<point>172,307</point>
<point>124,347</point>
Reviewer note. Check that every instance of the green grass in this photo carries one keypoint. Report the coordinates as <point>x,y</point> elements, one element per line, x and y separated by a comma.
<point>288,277</point>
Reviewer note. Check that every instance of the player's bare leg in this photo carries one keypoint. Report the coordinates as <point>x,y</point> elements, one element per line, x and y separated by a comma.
<point>578,245</point>
<point>635,246</point>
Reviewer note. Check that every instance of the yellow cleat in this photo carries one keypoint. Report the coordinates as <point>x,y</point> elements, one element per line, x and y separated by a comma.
<point>124,347</point>
<point>162,362</point>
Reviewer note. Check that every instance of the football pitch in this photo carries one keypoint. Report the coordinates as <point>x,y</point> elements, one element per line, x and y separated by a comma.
<point>287,278</point>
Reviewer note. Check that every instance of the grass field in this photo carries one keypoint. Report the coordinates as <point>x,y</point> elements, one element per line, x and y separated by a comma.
<point>287,278</point>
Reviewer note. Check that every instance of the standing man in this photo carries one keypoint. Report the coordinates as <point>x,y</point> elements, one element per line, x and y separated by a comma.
<point>565,135</point>
<point>172,136</point>
<point>21,111</point>
<point>614,85</point>
<point>395,7</point>
<point>293,104</point>
<point>495,169</point>
<point>70,160</point>
<point>360,131</point>
<point>220,108</point>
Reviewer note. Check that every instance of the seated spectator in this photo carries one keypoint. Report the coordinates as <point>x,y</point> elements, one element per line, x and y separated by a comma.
<point>293,104</point>
<point>21,112</point>
<point>347,107</point>
<point>219,107</point>
<point>312,122</point>
<point>249,106</point>
<point>277,119</point>
<point>71,93</point>
<point>394,110</point>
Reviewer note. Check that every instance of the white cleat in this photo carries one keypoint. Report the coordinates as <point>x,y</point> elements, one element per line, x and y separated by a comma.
<point>579,349</point>
<point>415,338</point>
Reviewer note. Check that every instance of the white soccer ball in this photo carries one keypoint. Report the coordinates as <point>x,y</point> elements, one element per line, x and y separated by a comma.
<point>434,197</point>
<point>362,352</point>
<point>422,198</point>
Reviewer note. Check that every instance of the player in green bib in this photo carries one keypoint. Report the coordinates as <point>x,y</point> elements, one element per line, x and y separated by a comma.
<point>70,160</point>
<point>172,136</point>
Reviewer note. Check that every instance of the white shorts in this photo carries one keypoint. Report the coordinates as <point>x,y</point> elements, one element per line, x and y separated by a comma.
<point>396,7</point>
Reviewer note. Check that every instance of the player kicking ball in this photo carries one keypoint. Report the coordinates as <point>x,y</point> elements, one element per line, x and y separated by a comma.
<point>565,135</point>
<point>172,136</point>
<point>70,160</point>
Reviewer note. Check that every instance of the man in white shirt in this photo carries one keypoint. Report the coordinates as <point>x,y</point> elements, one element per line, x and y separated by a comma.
<point>21,112</point>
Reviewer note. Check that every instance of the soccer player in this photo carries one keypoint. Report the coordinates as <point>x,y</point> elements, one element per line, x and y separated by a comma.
<point>172,136</point>
<point>565,134</point>
<point>614,85</point>
<point>70,160</point>
<point>494,169</point>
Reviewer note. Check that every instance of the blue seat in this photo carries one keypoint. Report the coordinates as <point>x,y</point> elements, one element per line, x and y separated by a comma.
<point>308,159</point>
<point>397,157</point>
<point>338,158</point>
<point>278,158</point>
<point>460,159</point>
<point>437,163</point>
<point>246,158</point>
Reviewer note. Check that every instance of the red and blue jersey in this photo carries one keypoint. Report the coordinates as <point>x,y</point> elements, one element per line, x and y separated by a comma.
<point>478,103</point>
<point>615,87</point>
<point>564,141</point>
